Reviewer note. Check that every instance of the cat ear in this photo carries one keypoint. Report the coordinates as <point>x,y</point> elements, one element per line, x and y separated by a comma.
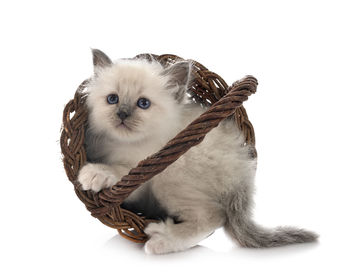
<point>100,60</point>
<point>179,77</point>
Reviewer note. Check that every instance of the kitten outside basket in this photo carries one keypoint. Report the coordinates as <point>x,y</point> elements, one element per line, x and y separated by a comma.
<point>207,88</point>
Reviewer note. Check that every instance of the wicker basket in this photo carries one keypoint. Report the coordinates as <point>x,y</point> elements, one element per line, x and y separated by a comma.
<point>207,88</point>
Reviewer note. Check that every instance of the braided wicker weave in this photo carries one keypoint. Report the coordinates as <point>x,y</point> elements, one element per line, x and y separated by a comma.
<point>207,88</point>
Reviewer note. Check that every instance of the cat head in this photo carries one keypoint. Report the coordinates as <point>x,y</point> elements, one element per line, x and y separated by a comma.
<point>135,99</point>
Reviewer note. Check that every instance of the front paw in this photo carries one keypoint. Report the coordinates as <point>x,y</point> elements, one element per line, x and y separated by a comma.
<point>160,241</point>
<point>159,244</point>
<point>96,177</point>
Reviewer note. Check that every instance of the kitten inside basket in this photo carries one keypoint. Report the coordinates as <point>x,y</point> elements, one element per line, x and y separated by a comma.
<point>135,107</point>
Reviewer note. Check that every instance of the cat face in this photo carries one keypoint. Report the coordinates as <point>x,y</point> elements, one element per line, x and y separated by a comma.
<point>131,100</point>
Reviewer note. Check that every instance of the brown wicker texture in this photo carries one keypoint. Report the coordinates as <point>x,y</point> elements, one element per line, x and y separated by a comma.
<point>207,88</point>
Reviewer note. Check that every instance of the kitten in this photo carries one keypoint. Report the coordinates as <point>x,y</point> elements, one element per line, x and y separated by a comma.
<point>135,107</point>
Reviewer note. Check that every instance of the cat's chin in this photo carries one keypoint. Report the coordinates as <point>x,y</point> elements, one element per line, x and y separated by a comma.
<point>123,126</point>
<point>124,133</point>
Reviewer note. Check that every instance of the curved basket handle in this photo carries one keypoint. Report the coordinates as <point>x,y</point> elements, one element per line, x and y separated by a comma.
<point>192,135</point>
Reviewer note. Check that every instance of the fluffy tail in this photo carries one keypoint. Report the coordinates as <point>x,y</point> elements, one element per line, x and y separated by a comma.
<point>249,234</point>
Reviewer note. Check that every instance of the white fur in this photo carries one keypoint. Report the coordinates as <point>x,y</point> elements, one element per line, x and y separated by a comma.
<point>196,185</point>
<point>96,177</point>
<point>132,79</point>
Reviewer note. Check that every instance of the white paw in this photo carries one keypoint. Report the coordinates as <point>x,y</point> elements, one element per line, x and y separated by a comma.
<point>96,177</point>
<point>159,244</point>
<point>160,241</point>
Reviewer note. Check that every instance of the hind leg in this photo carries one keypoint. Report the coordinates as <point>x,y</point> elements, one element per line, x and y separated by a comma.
<point>166,237</point>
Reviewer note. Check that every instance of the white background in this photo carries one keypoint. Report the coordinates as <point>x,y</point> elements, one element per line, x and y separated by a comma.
<point>298,50</point>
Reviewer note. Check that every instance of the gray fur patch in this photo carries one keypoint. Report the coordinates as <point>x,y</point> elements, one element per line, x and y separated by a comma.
<point>100,59</point>
<point>242,228</point>
<point>180,74</point>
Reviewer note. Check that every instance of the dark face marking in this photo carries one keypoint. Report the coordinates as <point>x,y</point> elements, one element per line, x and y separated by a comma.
<point>124,111</point>
<point>122,115</point>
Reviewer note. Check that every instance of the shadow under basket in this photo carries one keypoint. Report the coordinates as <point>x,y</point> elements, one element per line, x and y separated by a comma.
<point>207,88</point>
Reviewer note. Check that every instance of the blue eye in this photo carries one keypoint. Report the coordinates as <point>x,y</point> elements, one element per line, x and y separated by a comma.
<point>112,98</point>
<point>143,103</point>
